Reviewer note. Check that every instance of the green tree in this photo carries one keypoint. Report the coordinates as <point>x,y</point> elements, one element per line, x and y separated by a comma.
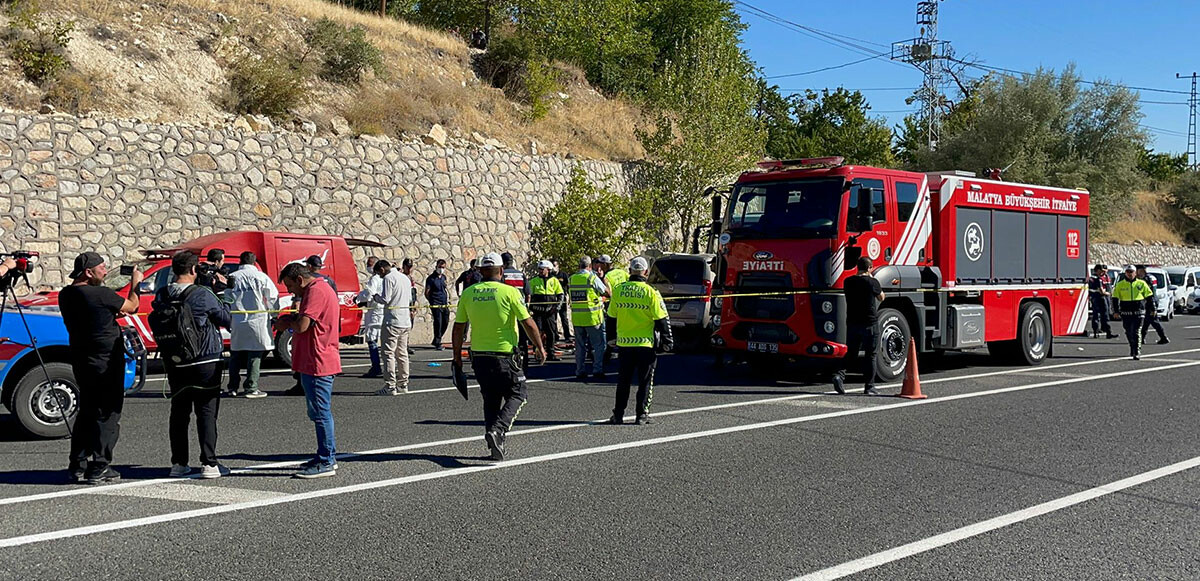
<point>589,220</point>
<point>1185,193</point>
<point>1048,128</point>
<point>704,132</point>
<point>39,45</point>
<point>1161,167</point>
<point>830,123</point>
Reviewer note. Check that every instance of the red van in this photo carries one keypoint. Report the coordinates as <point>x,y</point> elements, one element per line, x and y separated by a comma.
<point>274,250</point>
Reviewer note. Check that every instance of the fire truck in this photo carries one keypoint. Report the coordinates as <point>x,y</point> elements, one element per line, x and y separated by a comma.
<point>964,262</point>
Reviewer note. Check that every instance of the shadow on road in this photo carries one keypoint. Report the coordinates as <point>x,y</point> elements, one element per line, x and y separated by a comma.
<point>128,472</point>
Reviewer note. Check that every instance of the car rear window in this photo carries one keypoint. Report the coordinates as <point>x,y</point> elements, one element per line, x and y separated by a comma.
<point>677,271</point>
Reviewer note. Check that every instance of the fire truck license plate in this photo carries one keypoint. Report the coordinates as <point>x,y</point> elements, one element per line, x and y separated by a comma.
<point>763,347</point>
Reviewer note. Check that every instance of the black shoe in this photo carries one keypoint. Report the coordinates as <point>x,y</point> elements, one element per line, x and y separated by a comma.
<point>615,420</point>
<point>838,385</point>
<point>108,475</point>
<point>411,351</point>
<point>581,377</point>
<point>76,475</point>
<point>642,420</point>
<point>1110,336</point>
<point>440,347</point>
<point>495,443</point>
<point>870,390</point>
<point>372,373</point>
<point>1164,341</point>
<point>295,390</point>
<point>598,376</point>
<point>1137,358</point>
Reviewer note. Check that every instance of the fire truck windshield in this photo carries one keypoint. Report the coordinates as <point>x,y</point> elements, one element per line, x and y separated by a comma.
<point>794,209</point>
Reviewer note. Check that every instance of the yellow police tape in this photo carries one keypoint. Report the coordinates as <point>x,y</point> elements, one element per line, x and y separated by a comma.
<point>665,299</point>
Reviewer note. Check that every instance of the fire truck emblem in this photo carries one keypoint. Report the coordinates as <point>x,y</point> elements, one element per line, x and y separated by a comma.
<point>873,248</point>
<point>973,241</point>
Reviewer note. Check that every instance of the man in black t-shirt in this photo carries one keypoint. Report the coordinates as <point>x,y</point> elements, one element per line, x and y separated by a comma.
<point>90,312</point>
<point>863,295</point>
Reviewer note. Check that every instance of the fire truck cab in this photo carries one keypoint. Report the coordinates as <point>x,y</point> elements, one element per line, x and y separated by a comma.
<point>964,262</point>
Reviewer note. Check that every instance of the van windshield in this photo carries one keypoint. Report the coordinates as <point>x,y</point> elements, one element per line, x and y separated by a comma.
<point>793,209</point>
<point>1176,278</point>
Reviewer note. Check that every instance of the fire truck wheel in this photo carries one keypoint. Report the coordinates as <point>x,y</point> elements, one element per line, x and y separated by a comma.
<point>894,335</point>
<point>1034,334</point>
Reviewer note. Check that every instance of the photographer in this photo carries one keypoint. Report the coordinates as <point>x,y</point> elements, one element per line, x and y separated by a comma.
<point>90,313</point>
<point>185,321</point>
<point>210,273</point>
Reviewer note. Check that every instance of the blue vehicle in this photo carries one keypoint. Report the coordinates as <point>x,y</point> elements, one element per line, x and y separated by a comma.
<point>42,398</point>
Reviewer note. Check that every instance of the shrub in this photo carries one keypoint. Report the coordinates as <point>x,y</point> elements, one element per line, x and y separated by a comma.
<point>74,92</point>
<point>345,52</point>
<point>514,65</point>
<point>271,85</point>
<point>38,46</point>
<point>588,220</point>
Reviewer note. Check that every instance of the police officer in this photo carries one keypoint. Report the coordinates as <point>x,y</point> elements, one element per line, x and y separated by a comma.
<point>612,277</point>
<point>546,297</point>
<point>1099,295</point>
<point>1151,319</point>
<point>587,315</point>
<point>642,327</point>
<point>1131,293</point>
<point>495,310</point>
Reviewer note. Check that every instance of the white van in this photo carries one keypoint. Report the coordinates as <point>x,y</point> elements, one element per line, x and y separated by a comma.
<point>1186,278</point>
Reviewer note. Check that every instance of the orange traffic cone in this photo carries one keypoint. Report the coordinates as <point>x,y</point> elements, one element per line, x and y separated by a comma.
<point>912,377</point>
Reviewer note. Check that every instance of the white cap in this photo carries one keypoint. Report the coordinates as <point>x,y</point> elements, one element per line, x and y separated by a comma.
<point>491,259</point>
<point>605,259</point>
<point>1129,267</point>
<point>545,264</point>
<point>639,264</point>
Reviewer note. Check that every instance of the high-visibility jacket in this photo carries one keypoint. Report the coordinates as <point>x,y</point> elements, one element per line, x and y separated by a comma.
<point>613,278</point>
<point>636,306</point>
<point>1132,295</point>
<point>545,294</point>
<point>586,309</point>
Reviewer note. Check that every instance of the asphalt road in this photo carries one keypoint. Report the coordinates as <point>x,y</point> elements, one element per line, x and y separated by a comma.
<point>1082,468</point>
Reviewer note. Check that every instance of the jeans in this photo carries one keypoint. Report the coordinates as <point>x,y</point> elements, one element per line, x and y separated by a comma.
<point>98,421</point>
<point>251,361</point>
<point>206,403</point>
<point>441,320</point>
<point>502,385</point>
<point>595,336</point>
<point>395,357</point>
<point>640,362</point>
<point>867,340</point>
<point>318,396</point>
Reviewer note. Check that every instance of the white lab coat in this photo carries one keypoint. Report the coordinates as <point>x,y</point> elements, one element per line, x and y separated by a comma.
<point>373,317</point>
<point>250,289</point>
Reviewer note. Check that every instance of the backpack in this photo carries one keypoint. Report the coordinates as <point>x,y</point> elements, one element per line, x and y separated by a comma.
<point>175,329</point>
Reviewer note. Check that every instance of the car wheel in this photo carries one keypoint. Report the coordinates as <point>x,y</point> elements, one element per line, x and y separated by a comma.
<point>894,335</point>
<point>283,349</point>
<point>39,404</point>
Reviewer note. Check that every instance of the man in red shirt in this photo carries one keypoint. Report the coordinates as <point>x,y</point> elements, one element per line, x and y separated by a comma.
<point>315,357</point>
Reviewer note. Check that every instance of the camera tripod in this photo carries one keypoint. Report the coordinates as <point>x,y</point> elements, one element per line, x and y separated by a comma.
<point>7,289</point>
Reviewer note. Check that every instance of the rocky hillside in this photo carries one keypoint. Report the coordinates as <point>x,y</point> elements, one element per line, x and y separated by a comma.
<point>170,61</point>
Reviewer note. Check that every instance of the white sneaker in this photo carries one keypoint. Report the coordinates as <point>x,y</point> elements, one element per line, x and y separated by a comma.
<point>388,391</point>
<point>208,472</point>
<point>180,470</point>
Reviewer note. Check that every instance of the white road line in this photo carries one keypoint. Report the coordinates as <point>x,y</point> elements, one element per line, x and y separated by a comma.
<point>1193,327</point>
<point>336,491</point>
<point>979,528</point>
<point>184,491</point>
<point>451,441</point>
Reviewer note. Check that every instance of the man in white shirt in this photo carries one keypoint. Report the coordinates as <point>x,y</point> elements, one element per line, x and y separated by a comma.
<point>372,317</point>
<point>396,298</point>
<point>251,291</point>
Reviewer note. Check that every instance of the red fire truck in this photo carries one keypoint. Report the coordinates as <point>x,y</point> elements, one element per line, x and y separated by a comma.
<point>964,262</point>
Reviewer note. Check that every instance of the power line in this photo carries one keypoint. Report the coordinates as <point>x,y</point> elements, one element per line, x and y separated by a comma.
<point>1013,72</point>
<point>1161,131</point>
<point>812,29</point>
<point>830,38</point>
<point>861,89</point>
<point>821,70</point>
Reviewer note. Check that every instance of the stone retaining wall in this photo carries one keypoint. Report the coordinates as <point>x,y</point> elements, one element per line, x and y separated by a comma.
<point>1115,255</point>
<point>117,186</point>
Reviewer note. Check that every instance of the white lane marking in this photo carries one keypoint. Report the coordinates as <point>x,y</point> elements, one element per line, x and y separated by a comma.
<point>188,492</point>
<point>451,441</point>
<point>1193,327</point>
<point>336,491</point>
<point>979,528</point>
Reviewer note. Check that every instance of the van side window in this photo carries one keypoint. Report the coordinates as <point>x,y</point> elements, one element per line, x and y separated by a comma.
<point>906,200</point>
<point>878,207</point>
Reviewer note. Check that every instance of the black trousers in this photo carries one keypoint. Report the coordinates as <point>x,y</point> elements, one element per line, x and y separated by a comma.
<point>564,317</point>
<point>1133,332</point>
<point>1151,320</point>
<point>546,323</point>
<point>441,320</point>
<point>502,385</point>
<point>206,403</point>
<point>639,362</point>
<point>1100,316</point>
<point>865,339</point>
<point>98,421</point>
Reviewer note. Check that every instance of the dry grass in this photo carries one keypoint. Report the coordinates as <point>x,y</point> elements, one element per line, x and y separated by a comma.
<point>1150,219</point>
<point>429,78</point>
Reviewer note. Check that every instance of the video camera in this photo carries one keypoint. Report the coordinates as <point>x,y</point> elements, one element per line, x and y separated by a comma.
<point>25,259</point>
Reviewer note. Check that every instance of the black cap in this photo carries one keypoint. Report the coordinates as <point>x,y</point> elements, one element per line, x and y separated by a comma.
<point>85,261</point>
<point>314,261</point>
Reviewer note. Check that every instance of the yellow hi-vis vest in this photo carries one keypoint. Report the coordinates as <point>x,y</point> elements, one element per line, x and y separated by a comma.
<point>636,306</point>
<point>613,278</point>
<point>586,309</point>
<point>545,286</point>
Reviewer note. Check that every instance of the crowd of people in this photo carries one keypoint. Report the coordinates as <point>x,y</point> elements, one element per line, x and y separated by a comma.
<point>502,316</point>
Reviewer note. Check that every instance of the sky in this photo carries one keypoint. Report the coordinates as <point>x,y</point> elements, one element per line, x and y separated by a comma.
<point>1140,43</point>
